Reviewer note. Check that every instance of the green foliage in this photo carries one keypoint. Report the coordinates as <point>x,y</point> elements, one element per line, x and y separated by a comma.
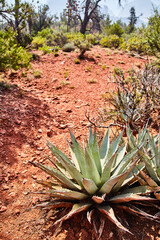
<point>97,178</point>
<point>136,42</point>
<point>75,37</point>
<point>77,61</point>
<point>37,73</point>
<point>68,47</point>
<point>12,56</point>
<point>59,39</point>
<point>136,100</point>
<point>94,39</point>
<point>45,49</point>
<point>116,29</point>
<point>153,33</point>
<point>49,38</point>
<point>83,47</point>
<point>150,154</point>
<point>111,41</point>
<point>38,41</point>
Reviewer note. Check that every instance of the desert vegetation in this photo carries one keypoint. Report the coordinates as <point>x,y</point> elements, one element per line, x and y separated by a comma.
<point>50,68</point>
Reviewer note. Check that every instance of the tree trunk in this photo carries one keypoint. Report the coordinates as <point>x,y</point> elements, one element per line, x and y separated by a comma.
<point>84,25</point>
<point>16,17</point>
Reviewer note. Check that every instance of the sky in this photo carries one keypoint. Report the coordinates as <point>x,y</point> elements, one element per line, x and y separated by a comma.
<point>57,6</point>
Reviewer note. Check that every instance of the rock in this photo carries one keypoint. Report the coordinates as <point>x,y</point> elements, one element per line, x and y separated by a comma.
<point>17,211</point>
<point>62,126</point>
<point>2,131</point>
<point>17,121</point>
<point>49,133</point>
<point>54,79</point>
<point>24,181</point>
<point>69,110</point>
<point>40,149</point>
<point>3,209</point>
<point>12,194</point>
<point>34,176</point>
<point>5,187</point>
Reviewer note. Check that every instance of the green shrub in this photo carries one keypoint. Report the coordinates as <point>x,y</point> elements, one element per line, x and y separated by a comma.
<point>12,56</point>
<point>153,33</point>
<point>59,39</point>
<point>136,43</point>
<point>38,41</point>
<point>136,100</point>
<point>45,49</point>
<point>116,29</point>
<point>77,61</point>
<point>37,73</point>
<point>68,47</point>
<point>110,41</point>
<point>92,38</point>
<point>75,37</point>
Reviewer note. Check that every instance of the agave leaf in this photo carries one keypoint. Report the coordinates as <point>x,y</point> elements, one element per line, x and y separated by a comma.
<point>89,186</point>
<point>148,179</point>
<point>79,153</point>
<point>154,151</point>
<point>66,182</point>
<point>129,197</point>
<point>157,195</point>
<point>114,146</point>
<point>131,140</point>
<point>98,199</point>
<point>52,205</point>
<point>48,184</point>
<point>107,186</point>
<point>101,228</point>
<point>143,136</point>
<point>149,168</point>
<point>158,173</point>
<point>107,170</point>
<point>125,161</point>
<point>120,155</point>
<point>73,155</point>
<point>142,190</point>
<point>94,150</point>
<point>108,211</point>
<point>123,178</point>
<point>59,196</point>
<point>75,209</point>
<point>134,210</point>
<point>66,163</point>
<point>91,138</point>
<point>91,169</point>
<point>69,193</point>
<point>103,151</point>
<point>133,175</point>
<point>90,215</point>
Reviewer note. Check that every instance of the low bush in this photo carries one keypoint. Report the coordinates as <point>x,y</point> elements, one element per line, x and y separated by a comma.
<point>136,100</point>
<point>136,43</point>
<point>69,47</point>
<point>11,55</point>
<point>111,41</point>
<point>38,41</point>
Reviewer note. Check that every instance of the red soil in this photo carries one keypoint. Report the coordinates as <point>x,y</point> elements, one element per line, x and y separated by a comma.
<point>36,109</point>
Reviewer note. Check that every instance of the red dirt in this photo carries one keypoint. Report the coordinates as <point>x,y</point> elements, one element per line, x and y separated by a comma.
<point>36,109</point>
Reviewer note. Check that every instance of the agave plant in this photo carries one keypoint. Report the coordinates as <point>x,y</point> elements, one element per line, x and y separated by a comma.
<point>150,155</point>
<point>96,178</point>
